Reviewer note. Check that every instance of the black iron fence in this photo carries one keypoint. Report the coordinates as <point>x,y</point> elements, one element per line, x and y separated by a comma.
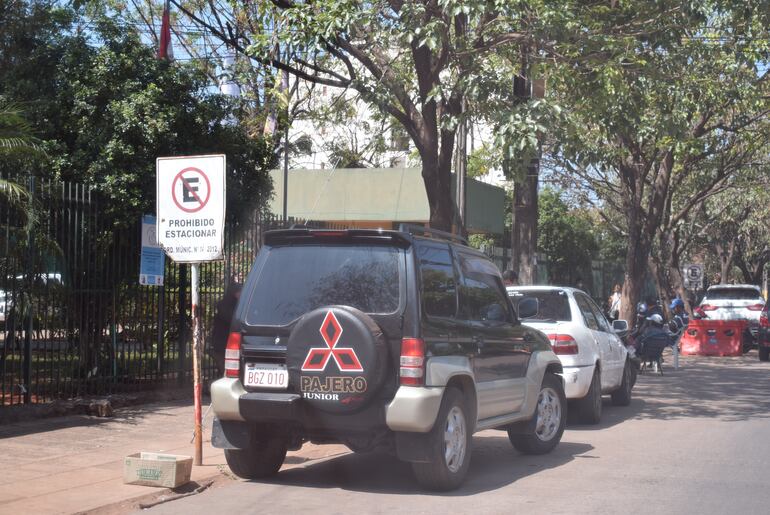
<point>73,318</point>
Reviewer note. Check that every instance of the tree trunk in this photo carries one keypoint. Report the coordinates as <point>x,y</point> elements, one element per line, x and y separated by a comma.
<point>726,255</point>
<point>524,226</point>
<point>633,282</point>
<point>658,271</point>
<point>636,267</point>
<point>437,176</point>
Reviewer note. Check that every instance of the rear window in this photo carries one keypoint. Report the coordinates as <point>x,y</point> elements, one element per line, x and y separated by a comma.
<point>732,294</point>
<point>553,305</point>
<point>298,279</point>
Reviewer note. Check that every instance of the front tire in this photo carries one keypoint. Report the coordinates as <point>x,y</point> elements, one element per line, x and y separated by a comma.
<point>622,396</point>
<point>544,431</point>
<point>590,407</point>
<point>261,459</point>
<point>764,353</point>
<point>449,446</point>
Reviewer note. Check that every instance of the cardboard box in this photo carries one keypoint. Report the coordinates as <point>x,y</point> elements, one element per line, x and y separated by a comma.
<point>153,469</point>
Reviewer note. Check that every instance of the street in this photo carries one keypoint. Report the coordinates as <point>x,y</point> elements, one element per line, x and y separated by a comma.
<point>692,441</point>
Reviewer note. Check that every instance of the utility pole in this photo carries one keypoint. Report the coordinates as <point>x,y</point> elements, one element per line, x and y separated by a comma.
<point>286,170</point>
<point>461,171</point>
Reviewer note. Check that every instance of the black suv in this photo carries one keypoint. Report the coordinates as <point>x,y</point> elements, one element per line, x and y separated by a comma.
<point>404,340</point>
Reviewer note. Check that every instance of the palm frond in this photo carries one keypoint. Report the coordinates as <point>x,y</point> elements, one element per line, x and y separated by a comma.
<point>16,133</point>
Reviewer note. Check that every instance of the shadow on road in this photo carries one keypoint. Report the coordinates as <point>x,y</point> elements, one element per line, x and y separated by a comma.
<point>728,389</point>
<point>611,415</point>
<point>494,464</point>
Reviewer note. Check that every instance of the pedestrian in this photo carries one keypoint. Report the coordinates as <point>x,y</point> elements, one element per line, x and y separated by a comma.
<point>679,319</point>
<point>613,303</point>
<point>220,329</point>
<point>510,278</point>
<point>653,340</point>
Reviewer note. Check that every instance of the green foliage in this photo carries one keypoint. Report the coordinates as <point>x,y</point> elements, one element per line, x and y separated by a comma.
<point>481,161</point>
<point>105,108</point>
<point>566,239</point>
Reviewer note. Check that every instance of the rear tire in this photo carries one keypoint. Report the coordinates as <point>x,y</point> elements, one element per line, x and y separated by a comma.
<point>449,446</point>
<point>544,431</point>
<point>622,396</point>
<point>262,459</point>
<point>764,353</point>
<point>590,407</point>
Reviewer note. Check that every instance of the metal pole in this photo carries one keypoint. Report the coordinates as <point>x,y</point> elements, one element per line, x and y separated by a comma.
<point>181,346</point>
<point>462,163</point>
<point>28,277</point>
<point>161,321</point>
<point>197,344</point>
<point>285,171</point>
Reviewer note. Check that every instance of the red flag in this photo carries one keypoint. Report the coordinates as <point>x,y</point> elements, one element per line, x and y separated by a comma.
<point>165,51</point>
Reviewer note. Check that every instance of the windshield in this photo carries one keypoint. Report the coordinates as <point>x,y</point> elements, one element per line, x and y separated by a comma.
<point>296,280</point>
<point>732,294</point>
<point>553,305</point>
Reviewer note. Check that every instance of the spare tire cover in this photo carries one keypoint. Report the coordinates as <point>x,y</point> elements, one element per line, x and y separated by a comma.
<point>337,357</point>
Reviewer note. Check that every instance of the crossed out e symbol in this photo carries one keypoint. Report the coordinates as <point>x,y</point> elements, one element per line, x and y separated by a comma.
<point>187,191</point>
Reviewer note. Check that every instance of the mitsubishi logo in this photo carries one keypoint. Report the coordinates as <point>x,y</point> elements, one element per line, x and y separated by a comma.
<point>318,357</point>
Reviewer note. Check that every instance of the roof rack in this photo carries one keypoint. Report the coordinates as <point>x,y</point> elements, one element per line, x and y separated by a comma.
<point>435,233</point>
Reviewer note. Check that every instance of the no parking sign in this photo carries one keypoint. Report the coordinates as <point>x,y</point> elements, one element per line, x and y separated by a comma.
<point>191,207</point>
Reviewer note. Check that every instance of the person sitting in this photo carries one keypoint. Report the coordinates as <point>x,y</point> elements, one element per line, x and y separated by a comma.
<point>679,319</point>
<point>653,341</point>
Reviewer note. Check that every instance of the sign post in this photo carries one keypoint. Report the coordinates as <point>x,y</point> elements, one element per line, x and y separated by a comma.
<point>693,276</point>
<point>152,262</point>
<point>190,193</point>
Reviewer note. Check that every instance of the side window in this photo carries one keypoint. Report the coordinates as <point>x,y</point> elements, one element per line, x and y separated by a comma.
<point>439,291</point>
<point>600,320</point>
<point>482,296</point>
<point>585,308</point>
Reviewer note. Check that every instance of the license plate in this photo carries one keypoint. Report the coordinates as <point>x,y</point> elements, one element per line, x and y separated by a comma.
<point>713,341</point>
<point>264,375</point>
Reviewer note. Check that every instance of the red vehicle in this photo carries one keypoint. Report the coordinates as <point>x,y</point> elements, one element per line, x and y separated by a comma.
<point>763,336</point>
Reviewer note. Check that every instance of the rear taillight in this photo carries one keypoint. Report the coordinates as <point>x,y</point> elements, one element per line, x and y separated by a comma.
<point>763,321</point>
<point>756,307</point>
<point>709,307</point>
<point>233,355</point>
<point>563,344</point>
<point>412,370</point>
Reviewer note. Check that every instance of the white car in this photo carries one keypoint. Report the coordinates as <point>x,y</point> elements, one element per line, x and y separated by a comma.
<point>594,358</point>
<point>733,302</point>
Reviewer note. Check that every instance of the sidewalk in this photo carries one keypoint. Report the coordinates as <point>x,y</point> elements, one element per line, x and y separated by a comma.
<point>75,464</point>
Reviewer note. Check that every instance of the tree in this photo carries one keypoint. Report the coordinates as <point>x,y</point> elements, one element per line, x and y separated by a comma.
<point>16,139</point>
<point>643,126</point>
<point>428,64</point>
<point>691,216</point>
<point>104,112</point>
<point>565,238</point>
<point>104,108</point>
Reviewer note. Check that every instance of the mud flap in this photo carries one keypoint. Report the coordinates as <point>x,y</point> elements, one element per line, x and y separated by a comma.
<point>230,434</point>
<point>413,447</point>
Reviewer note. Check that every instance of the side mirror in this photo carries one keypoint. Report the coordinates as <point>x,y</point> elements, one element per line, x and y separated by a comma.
<point>528,307</point>
<point>619,325</point>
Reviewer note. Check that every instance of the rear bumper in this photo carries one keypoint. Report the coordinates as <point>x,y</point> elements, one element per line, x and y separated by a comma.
<point>412,409</point>
<point>577,381</point>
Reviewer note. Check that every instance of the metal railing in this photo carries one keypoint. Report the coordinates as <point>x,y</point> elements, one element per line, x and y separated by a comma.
<point>74,319</point>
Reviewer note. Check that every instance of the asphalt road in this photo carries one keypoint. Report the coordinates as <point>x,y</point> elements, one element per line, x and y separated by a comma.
<point>692,441</point>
